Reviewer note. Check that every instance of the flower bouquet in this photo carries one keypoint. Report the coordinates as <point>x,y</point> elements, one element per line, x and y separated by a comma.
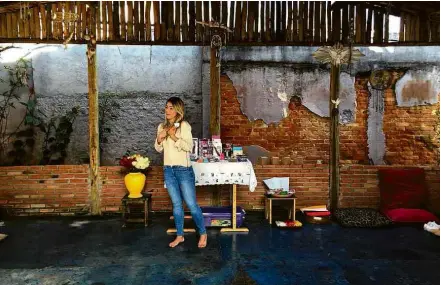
<point>136,165</point>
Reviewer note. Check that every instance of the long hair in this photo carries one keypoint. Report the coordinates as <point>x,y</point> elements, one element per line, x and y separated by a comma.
<point>178,105</point>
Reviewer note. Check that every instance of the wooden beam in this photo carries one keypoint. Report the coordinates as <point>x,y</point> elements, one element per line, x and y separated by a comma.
<point>231,26</point>
<point>295,17</point>
<point>191,24</point>
<point>323,22</point>
<point>129,20</point>
<point>301,22</point>
<point>156,21</point>
<point>335,139</point>
<point>177,30</point>
<point>93,127</point>
<point>214,93</point>
<point>115,35</point>
<point>317,27</point>
<point>369,27</point>
<point>329,20</point>
<point>184,22</point>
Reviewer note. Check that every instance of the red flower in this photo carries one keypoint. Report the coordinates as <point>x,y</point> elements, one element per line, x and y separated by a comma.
<point>126,162</point>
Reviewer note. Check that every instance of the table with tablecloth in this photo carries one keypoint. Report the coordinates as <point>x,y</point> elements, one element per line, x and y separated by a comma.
<point>225,172</point>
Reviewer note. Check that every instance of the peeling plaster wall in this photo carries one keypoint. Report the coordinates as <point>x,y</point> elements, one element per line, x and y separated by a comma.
<point>143,78</point>
<point>418,87</point>
<point>375,134</point>
<point>265,93</point>
<point>265,79</point>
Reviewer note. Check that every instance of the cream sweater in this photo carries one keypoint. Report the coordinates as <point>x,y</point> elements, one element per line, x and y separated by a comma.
<point>176,153</point>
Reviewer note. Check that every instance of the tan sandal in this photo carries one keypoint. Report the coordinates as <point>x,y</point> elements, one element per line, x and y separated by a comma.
<point>203,244</point>
<point>176,242</point>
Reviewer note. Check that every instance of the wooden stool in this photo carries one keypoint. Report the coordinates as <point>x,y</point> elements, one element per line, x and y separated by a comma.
<point>269,207</point>
<point>136,210</point>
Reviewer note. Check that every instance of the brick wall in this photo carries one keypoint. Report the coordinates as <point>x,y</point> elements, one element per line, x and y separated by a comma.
<point>45,190</point>
<point>412,133</point>
<point>64,190</point>
<point>359,186</point>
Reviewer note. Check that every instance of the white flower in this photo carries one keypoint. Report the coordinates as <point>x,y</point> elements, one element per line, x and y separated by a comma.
<point>141,162</point>
<point>176,125</point>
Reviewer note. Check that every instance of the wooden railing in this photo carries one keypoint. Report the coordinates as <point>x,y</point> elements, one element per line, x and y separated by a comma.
<point>175,22</point>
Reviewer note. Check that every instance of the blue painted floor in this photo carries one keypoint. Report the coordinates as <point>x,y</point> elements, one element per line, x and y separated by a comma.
<point>99,251</point>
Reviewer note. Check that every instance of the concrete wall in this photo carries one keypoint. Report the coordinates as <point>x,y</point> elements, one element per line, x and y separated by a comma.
<point>143,77</point>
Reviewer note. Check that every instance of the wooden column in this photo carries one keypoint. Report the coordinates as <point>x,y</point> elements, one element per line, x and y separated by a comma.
<point>335,55</point>
<point>334,131</point>
<point>94,153</point>
<point>214,92</point>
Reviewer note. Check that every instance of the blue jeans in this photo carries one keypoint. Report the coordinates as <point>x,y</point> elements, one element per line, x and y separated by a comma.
<point>180,183</point>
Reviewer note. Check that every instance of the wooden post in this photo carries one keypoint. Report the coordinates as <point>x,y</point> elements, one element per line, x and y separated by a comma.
<point>334,171</point>
<point>336,56</point>
<point>93,126</point>
<point>214,92</point>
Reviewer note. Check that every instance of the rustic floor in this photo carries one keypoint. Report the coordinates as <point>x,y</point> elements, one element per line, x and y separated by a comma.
<point>99,251</point>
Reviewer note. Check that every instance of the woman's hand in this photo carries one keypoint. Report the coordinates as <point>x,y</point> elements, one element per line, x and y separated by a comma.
<point>162,135</point>
<point>172,133</point>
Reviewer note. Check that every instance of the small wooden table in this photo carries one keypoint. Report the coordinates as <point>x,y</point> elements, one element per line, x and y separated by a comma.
<point>136,210</point>
<point>269,206</point>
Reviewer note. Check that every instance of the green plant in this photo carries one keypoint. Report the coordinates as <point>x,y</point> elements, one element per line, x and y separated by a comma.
<point>57,132</point>
<point>17,78</point>
<point>108,112</point>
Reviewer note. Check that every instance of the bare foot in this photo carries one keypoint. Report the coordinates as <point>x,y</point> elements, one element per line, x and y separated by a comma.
<point>202,241</point>
<point>177,241</point>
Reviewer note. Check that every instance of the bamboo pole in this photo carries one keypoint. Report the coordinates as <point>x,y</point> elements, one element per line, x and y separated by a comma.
<point>130,35</point>
<point>156,19</point>
<point>148,24</point>
<point>191,24</point>
<point>295,19</point>
<point>323,21</point>
<point>142,25</point>
<point>177,32</point>
<point>115,22</point>
<point>184,25</point>
<point>231,26</point>
<point>268,21</point>
<point>104,20</point>
<point>317,27</point>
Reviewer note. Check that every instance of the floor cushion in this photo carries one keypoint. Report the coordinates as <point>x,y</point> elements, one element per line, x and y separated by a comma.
<point>402,188</point>
<point>361,218</point>
<point>410,215</point>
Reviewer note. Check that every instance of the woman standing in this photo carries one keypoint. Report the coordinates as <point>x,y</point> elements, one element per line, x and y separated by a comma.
<point>175,139</point>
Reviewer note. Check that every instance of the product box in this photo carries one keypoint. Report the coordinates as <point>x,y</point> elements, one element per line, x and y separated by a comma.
<point>227,149</point>
<point>205,148</point>
<point>217,146</point>
<point>237,150</point>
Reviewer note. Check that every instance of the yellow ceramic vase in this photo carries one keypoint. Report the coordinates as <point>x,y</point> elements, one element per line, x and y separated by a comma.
<point>135,184</point>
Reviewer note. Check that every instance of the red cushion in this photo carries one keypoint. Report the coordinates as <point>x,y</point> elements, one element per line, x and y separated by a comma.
<point>410,216</point>
<point>402,188</point>
<point>318,213</point>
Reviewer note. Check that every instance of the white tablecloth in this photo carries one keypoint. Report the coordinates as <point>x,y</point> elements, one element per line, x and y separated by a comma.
<point>224,172</point>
